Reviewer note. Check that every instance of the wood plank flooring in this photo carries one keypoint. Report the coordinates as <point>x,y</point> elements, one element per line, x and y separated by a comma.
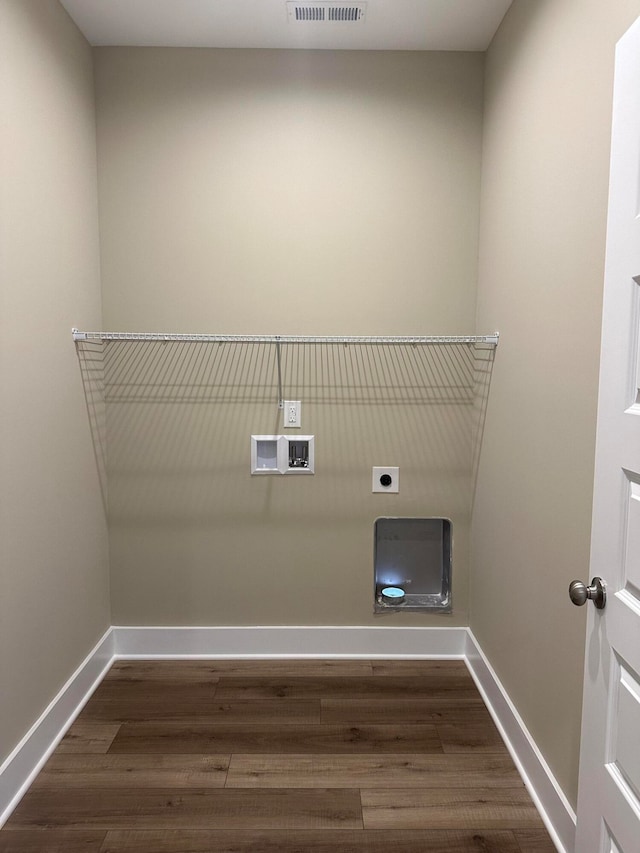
<point>280,757</point>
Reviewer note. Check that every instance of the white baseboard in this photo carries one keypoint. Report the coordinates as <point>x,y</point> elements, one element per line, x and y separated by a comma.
<point>22,766</point>
<point>554,808</point>
<point>290,642</point>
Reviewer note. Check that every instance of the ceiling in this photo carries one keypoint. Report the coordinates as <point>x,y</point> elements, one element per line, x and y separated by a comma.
<point>385,24</point>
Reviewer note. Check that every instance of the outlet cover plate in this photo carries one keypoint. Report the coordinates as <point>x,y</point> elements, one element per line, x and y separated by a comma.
<point>379,472</point>
<point>292,414</point>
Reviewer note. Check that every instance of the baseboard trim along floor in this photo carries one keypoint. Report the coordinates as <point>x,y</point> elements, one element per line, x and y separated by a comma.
<point>23,764</point>
<point>290,642</point>
<point>268,642</point>
<point>554,808</point>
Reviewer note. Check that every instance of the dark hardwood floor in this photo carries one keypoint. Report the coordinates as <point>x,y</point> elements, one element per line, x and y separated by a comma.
<point>280,757</point>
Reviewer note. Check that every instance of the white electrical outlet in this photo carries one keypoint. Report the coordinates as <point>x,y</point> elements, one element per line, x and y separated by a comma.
<point>292,416</point>
<point>386,480</point>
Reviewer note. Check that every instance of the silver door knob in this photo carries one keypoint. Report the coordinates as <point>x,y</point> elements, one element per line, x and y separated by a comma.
<point>580,592</point>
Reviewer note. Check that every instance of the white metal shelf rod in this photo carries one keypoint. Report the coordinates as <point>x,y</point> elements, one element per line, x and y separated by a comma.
<point>391,340</point>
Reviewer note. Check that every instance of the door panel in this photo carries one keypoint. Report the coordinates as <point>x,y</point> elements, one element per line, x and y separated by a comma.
<point>631,575</point>
<point>625,757</point>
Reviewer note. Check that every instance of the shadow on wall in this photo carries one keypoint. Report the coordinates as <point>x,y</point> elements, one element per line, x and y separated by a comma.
<point>176,417</point>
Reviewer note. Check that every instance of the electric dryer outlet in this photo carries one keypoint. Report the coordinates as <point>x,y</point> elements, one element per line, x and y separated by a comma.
<point>386,480</point>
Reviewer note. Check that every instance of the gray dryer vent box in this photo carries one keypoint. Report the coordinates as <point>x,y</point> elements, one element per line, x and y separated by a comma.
<point>413,555</point>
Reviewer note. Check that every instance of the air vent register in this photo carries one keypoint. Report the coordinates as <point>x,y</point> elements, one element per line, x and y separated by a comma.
<point>352,13</point>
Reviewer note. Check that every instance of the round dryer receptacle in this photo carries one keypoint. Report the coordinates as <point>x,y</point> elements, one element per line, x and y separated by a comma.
<point>385,480</point>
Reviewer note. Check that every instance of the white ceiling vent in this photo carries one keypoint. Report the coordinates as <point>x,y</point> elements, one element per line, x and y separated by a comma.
<point>352,13</point>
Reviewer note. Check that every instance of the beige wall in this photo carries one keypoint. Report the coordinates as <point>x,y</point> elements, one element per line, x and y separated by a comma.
<point>285,192</point>
<point>289,191</point>
<point>543,215</point>
<point>54,603</point>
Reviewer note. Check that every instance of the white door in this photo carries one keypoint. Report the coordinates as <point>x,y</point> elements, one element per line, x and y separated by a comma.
<point>609,791</point>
